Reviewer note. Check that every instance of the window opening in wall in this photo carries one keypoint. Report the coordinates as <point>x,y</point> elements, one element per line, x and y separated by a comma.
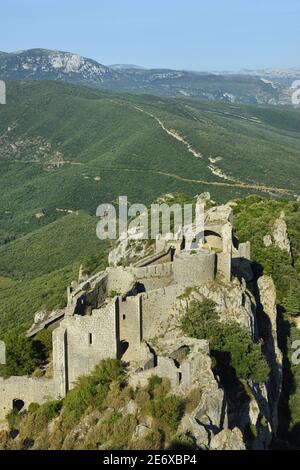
<point>90,339</point>
<point>124,317</point>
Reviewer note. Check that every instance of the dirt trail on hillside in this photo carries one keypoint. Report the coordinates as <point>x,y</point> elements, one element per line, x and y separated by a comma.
<point>172,132</point>
<point>216,171</point>
<point>176,135</point>
<point>256,187</point>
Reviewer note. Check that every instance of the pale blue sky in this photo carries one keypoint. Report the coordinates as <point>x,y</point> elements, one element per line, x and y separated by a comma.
<point>190,34</point>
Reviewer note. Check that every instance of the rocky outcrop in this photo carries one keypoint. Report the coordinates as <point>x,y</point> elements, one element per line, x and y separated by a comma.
<point>267,240</point>
<point>234,302</point>
<point>83,275</point>
<point>267,301</point>
<point>129,250</point>
<point>228,439</point>
<point>279,236</point>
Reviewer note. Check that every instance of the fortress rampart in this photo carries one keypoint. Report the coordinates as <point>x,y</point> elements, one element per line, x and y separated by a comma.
<point>19,392</point>
<point>117,313</point>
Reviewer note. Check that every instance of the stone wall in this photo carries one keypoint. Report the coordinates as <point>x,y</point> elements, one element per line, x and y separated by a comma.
<point>119,280</point>
<point>130,320</point>
<point>162,256</point>
<point>153,277</point>
<point>80,343</point>
<point>225,258</point>
<point>94,291</point>
<point>191,269</point>
<point>157,308</point>
<point>27,389</point>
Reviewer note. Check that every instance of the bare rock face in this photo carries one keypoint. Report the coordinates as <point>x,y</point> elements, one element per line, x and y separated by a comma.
<point>280,234</point>
<point>267,299</point>
<point>210,415</point>
<point>267,292</point>
<point>267,240</point>
<point>40,316</point>
<point>83,275</point>
<point>129,249</point>
<point>204,198</point>
<point>131,407</point>
<point>234,302</point>
<point>228,439</point>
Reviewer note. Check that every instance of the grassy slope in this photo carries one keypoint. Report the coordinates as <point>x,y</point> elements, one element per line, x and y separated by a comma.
<point>37,268</point>
<point>103,134</point>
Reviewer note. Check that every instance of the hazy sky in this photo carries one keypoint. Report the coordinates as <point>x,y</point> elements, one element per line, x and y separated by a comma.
<point>190,34</point>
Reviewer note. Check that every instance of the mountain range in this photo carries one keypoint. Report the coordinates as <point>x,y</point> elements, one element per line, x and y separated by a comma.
<point>249,87</point>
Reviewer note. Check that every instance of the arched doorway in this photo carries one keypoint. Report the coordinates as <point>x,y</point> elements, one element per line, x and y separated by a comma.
<point>18,404</point>
<point>124,345</point>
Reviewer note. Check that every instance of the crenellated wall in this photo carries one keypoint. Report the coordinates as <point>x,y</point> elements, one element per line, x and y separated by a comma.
<point>153,277</point>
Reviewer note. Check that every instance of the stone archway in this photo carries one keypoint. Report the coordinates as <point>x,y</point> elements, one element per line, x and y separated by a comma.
<point>213,240</point>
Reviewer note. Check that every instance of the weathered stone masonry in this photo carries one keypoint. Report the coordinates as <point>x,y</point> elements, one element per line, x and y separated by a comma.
<point>116,313</point>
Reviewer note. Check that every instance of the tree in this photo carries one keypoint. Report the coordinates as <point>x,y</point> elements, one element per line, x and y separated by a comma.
<point>230,344</point>
<point>200,319</point>
<point>292,300</point>
<point>21,354</point>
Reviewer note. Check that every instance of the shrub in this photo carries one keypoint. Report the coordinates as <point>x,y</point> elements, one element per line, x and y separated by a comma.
<point>4,440</point>
<point>193,400</point>
<point>122,430</point>
<point>154,440</point>
<point>13,417</point>
<point>91,391</point>
<point>38,373</point>
<point>50,410</point>
<point>200,319</point>
<point>43,343</point>
<point>183,442</point>
<point>167,410</point>
<point>33,407</point>
<point>153,381</point>
<point>291,302</point>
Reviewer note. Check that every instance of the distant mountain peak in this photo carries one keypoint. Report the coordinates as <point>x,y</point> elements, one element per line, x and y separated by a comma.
<point>269,87</point>
<point>44,64</point>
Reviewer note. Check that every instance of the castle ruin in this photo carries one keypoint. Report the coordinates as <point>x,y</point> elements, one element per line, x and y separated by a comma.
<point>119,313</point>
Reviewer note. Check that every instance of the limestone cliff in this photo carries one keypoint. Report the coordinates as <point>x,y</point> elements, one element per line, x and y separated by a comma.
<point>244,417</point>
